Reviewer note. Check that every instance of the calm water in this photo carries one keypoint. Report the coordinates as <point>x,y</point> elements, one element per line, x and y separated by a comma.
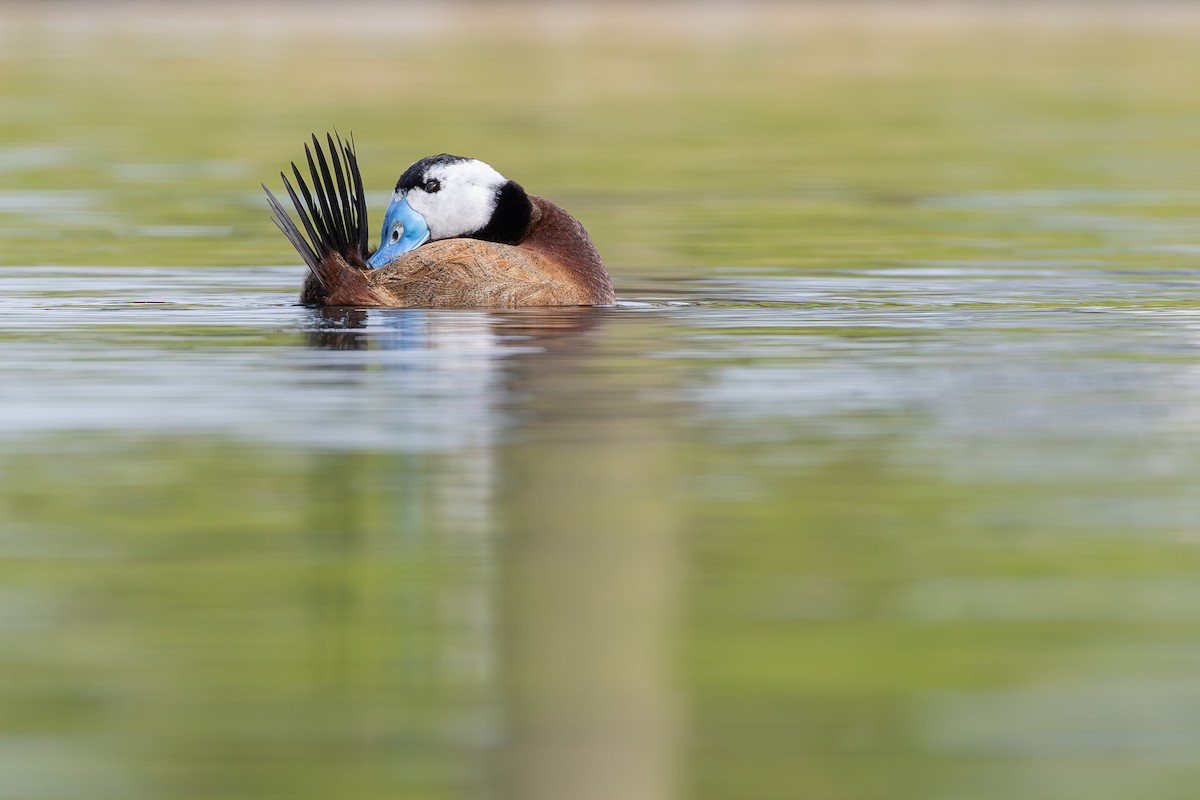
<point>879,482</point>
<point>931,521</point>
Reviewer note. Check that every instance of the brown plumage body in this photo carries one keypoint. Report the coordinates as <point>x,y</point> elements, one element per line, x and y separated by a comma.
<point>553,264</point>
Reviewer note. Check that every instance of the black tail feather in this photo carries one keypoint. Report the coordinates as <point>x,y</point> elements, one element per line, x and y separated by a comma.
<point>356,187</point>
<point>288,229</point>
<point>326,196</point>
<point>335,220</point>
<point>314,208</point>
<point>308,224</point>
<point>347,208</point>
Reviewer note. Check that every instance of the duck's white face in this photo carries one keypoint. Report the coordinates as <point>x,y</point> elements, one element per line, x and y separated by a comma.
<point>439,197</point>
<point>455,198</point>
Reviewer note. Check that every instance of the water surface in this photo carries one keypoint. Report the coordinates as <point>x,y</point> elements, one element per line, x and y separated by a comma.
<point>731,520</point>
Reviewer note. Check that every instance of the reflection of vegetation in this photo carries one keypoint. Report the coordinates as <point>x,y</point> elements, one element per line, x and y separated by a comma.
<point>846,594</point>
<point>207,604</point>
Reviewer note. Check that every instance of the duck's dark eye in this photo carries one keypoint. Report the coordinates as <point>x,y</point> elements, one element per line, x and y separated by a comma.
<point>396,235</point>
<point>432,185</point>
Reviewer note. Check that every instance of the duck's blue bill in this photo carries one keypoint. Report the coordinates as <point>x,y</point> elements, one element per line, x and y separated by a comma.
<point>413,232</point>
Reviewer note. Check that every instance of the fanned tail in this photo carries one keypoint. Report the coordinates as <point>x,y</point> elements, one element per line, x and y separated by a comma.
<point>334,242</point>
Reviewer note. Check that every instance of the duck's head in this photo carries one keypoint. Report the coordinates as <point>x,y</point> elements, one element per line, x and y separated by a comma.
<point>448,197</point>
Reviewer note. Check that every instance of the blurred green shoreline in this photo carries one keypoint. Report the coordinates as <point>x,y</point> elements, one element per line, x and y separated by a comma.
<point>684,136</point>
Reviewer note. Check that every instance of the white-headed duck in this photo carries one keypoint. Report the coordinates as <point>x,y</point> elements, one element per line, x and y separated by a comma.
<point>456,234</point>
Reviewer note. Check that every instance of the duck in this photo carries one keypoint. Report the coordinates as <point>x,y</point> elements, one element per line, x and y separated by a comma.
<point>456,234</point>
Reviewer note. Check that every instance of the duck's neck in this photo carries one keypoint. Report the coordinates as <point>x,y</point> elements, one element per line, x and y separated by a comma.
<point>512,218</point>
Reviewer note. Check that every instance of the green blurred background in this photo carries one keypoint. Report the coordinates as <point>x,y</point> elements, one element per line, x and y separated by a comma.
<point>879,483</point>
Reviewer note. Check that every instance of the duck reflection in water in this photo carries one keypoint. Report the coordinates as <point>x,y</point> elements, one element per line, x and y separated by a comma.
<point>545,565</point>
<point>514,331</point>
